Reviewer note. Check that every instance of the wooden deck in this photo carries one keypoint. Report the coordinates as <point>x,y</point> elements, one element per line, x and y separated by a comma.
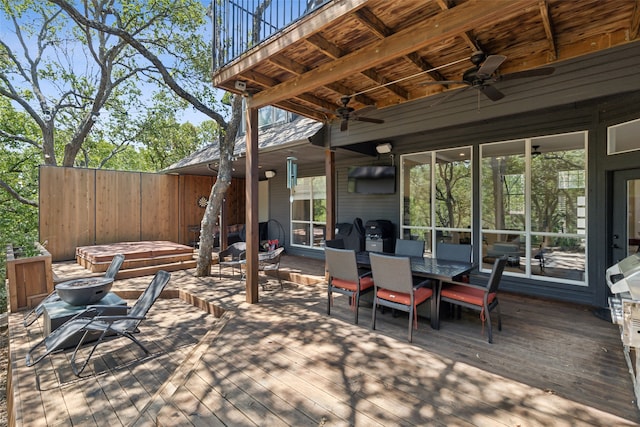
<point>285,362</point>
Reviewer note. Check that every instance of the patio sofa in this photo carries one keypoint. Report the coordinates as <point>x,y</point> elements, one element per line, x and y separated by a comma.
<point>511,248</point>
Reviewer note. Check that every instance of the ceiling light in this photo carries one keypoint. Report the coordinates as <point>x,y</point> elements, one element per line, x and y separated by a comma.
<point>384,148</point>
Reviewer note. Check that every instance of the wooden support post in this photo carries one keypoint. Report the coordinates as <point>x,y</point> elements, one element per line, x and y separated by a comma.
<point>330,176</point>
<point>251,216</point>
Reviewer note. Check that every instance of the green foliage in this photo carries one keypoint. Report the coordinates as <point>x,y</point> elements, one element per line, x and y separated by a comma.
<point>19,169</point>
<point>84,94</point>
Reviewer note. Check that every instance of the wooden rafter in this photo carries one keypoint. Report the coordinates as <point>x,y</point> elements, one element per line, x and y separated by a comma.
<point>289,64</point>
<point>446,24</point>
<point>372,22</point>
<point>548,29</point>
<point>635,22</point>
<point>298,69</point>
<point>384,83</point>
<point>325,105</point>
<point>334,52</point>
<point>344,90</point>
<point>325,46</point>
<point>301,109</point>
<point>376,26</point>
<point>467,36</point>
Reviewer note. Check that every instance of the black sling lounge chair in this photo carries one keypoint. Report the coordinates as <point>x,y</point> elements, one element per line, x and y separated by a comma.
<point>121,326</point>
<point>37,311</point>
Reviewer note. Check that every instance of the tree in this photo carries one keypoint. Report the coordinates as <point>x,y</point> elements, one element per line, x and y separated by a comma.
<point>139,24</point>
<point>40,73</point>
<point>166,140</point>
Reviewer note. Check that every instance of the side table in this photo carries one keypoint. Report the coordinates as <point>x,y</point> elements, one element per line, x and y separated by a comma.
<point>58,312</point>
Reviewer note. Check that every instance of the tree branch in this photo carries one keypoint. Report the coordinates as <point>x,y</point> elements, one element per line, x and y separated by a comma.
<point>137,45</point>
<point>20,138</point>
<point>16,195</point>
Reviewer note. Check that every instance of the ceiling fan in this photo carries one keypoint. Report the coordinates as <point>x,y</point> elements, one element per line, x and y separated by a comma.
<point>535,152</point>
<point>346,113</point>
<point>485,72</point>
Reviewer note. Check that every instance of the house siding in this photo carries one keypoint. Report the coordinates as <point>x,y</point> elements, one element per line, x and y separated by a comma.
<point>603,74</point>
<point>591,115</point>
<point>587,94</point>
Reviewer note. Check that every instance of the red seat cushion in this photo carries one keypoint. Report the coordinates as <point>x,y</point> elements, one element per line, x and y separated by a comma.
<point>365,283</point>
<point>420,295</point>
<point>466,294</point>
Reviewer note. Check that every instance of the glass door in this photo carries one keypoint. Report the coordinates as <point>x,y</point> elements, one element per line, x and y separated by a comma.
<point>625,233</point>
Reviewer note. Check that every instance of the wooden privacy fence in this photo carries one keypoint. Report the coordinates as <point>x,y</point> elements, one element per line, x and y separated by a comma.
<point>81,207</point>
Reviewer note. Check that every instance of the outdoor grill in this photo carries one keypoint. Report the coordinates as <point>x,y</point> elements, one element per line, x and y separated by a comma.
<point>623,279</point>
<point>84,291</point>
<point>378,235</point>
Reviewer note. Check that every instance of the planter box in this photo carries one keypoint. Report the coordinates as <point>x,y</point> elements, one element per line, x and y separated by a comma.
<point>30,279</point>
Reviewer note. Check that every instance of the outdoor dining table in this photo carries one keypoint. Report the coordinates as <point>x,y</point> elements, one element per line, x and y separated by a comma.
<point>436,269</point>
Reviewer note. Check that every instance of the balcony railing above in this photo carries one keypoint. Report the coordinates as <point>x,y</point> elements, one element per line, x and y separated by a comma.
<point>239,25</point>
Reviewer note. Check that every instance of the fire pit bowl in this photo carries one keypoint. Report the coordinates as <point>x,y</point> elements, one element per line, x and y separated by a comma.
<point>84,291</point>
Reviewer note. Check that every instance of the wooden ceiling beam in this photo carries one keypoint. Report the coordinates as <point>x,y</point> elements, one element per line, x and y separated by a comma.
<point>380,29</point>
<point>319,102</point>
<point>301,109</point>
<point>547,23</point>
<point>446,24</point>
<point>266,81</point>
<point>635,22</point>
<point>424,65</point>
<point>384,83</point>
<point>297,68</point>
<point>325,46</point>
<point>334,52</point>
<point>289,65</point>
<point>373,23</point>
<point>344,90</point>
<point>259,78</point>
<point>467,36</point>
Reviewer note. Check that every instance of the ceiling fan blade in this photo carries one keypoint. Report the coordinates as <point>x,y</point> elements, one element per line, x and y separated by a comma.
<point>491,92</point>
<point>536,72</point>
<point>344,124</point>
<point>490,65</point>
<point>368,120</point>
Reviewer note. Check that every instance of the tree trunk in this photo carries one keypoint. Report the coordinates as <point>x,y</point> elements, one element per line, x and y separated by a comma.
<point>218,191</point>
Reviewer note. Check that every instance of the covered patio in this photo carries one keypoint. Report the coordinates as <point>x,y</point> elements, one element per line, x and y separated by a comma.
<point>218,360</point>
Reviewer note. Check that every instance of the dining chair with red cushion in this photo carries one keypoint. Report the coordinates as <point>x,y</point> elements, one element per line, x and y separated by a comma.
<point>481,298</point>
<point>345,278</point>
<point>394,287</point>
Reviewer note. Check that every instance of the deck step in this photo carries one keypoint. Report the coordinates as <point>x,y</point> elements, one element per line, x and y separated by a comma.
<point>128,264</point>
<point>150,270</point>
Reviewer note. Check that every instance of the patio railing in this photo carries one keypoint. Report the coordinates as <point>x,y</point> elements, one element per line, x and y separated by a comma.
<point>240,24</point>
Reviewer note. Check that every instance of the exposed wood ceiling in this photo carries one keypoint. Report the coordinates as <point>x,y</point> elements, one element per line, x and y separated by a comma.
<point>380,53</point>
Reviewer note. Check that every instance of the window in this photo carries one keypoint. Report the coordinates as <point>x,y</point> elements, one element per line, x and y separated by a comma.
<point>571,179</point>
<point>623,137</point>
<point>533,206</point>
<point>436,190</point>
<point>309,212</point>
<point>268,116</point>
<point>514,187</point>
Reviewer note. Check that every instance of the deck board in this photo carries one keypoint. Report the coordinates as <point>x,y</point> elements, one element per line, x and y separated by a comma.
<point>283,361</point>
